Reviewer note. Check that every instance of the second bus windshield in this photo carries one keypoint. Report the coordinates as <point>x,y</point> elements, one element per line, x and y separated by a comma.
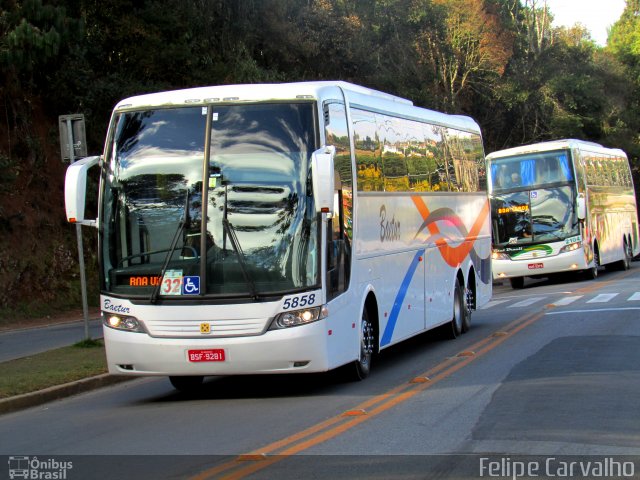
<point>532,198</point>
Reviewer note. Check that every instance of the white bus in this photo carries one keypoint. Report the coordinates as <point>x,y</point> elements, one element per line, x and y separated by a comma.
<point>561,206</point>
<point>249,229</point>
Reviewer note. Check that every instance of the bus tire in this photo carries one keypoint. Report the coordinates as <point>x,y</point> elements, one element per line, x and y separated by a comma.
<point>362,366</point>
<point>454,327</point>
<point>592,273</point>
<point>190,384</point>
<point>517,283</point>
<point>625,263</point>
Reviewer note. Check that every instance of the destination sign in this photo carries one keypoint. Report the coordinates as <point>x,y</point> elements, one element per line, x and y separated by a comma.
<point>139,280</point>
<point>513,209</point>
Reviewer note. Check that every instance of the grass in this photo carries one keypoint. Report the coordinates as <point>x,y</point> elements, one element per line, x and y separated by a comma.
<point>55,367</point>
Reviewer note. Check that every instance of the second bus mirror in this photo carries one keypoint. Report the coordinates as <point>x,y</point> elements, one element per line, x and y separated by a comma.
<point>582,206</point>
<point>322,178</point>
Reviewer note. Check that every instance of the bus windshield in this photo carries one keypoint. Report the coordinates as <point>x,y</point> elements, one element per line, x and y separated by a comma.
<point>533,216</point>
<point>533,198</point>
<point>259,235</point>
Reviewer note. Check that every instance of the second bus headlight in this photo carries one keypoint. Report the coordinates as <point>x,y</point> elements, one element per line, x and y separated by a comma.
<point>295,318</point>
<point>571,247</point>
<point>500,256</point>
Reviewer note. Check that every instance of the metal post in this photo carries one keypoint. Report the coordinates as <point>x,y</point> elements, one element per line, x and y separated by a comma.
<point>83,278</point>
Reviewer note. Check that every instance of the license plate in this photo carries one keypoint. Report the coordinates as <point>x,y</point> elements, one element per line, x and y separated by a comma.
<point>533,266</point>
<point>214,355</point>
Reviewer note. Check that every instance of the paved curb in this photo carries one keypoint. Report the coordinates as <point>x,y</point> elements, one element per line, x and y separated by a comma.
<point>57,392</point>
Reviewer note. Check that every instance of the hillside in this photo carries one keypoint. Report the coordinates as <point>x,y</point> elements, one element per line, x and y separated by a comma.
<point>38,250</point>
<point>505,64</point>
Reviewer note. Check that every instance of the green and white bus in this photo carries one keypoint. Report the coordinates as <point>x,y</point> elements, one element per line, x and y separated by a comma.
<point>561,206</point>
<point>283,228</point>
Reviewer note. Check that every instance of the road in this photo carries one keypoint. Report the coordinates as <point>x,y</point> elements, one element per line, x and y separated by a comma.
<point>549,370</point>
<point>29,341</point>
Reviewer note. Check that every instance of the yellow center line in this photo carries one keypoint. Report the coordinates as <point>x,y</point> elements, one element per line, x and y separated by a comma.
<point>260,459</point>
<point>336,425</point>
<point>388,404</point>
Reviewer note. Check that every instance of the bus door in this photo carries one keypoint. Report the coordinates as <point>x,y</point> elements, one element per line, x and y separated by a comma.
<point>339,234</point>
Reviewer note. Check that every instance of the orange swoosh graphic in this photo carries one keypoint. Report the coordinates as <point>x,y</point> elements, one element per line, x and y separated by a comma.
<point>453,255</point>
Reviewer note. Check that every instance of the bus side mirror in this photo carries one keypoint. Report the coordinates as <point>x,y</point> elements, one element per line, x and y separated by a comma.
<point>75,190</point>
<point>582,206</point>
<point>322,178</point>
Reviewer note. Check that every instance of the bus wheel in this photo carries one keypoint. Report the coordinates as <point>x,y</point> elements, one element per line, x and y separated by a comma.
<point>454,327</point>
<point>362,366</point>
<point>187,384</point>
<point>625,263</point>
<point>592,273</point>
<point>517,283</point>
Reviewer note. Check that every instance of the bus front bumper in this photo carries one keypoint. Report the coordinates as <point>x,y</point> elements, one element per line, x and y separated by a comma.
<point>564,262</point>
<point>301,349</point>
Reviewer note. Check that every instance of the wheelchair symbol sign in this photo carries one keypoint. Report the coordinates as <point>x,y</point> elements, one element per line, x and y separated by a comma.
<point>191,285</point>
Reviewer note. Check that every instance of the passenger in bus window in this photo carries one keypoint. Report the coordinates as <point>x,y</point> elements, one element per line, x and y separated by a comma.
<point>515,179</point>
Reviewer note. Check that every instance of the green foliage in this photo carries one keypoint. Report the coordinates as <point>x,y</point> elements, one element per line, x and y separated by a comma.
<point>33,36</point>
<point>624,37</point>
<point>89,343</point>
<point>501,62</point>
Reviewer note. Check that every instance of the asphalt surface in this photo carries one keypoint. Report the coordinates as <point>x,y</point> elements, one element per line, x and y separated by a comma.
<point>549,370</point>
<point>30,341</point>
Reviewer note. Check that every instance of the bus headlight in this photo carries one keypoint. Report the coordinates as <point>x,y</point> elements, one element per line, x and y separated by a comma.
<point>295,318</point>
<point>500,256</point>
<point>120,322</point>
<point>571,247</point>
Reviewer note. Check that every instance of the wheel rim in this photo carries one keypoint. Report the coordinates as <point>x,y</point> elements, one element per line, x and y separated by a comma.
<point>467,309</point>
<point>469,301</point>
<point>366,342</point>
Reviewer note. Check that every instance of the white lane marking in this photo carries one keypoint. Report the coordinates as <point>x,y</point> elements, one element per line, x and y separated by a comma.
<point>634,298</point>
<point>492,303</point>
<point>527,302</point>
<point>566,301</point>
<point>602,298</point>
<point>563,312</point>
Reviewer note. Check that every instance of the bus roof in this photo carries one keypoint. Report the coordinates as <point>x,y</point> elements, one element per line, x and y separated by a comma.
<point>249,93</point>
<point>556,145</point>
<point>261,92</point>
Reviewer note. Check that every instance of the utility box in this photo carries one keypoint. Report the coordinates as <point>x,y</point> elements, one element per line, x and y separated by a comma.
<point>72,132</point>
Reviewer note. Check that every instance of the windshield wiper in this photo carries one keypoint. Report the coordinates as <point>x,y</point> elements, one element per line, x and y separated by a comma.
<point>231,232</point>
<point>184,221</point>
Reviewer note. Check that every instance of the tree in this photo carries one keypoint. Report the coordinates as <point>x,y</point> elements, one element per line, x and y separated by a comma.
<point>470,44</point>
<point>624,36</point>
<point>624,44</point>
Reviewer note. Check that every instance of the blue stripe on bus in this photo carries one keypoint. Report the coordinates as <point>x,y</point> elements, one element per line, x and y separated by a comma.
<point>397,303</point>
